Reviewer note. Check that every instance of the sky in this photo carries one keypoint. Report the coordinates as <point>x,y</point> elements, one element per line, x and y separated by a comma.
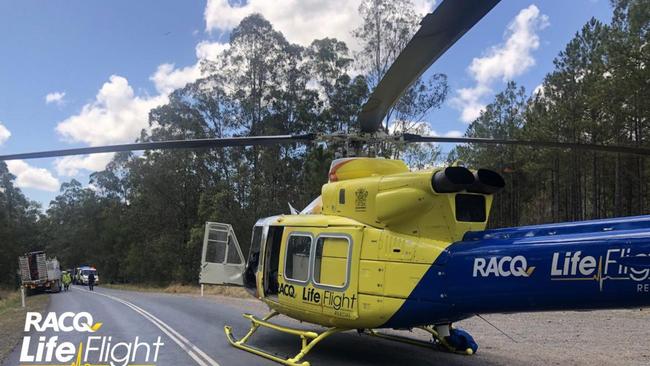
<point>85,73</point>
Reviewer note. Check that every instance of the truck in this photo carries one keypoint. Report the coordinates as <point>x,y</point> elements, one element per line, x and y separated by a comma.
<point>81,275</point>
<point>39,273</point>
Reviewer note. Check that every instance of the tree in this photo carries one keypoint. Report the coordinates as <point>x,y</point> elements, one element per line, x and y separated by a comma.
<point>19,226</point>
<point>501,119</point>
<point>387,27</point>
<point>597,94</point>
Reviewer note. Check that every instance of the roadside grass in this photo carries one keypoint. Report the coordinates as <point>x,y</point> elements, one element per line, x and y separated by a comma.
<point>176,288</point>
<point>12,317</point>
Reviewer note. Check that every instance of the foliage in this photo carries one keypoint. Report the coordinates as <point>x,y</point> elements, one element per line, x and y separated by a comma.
<point>19,226</point>
<point>141,219</point>
<point>598,93</point>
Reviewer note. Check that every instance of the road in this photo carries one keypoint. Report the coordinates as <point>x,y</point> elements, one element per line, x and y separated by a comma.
<point>191,329</point>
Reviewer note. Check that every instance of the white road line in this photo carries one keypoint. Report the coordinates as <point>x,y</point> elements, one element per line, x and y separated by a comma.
<point>187,346</point>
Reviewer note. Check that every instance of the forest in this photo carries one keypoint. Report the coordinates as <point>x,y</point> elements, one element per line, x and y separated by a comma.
<point>141,220</point>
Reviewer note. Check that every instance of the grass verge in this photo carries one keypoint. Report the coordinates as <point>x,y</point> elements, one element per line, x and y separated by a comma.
<point>230,291</point>
<point>12,317</point>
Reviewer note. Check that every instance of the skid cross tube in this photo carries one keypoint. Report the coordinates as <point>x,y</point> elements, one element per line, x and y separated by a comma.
<point>308,339</point>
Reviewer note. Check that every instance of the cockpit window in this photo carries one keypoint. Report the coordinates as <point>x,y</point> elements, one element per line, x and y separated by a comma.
<point>470,208</point>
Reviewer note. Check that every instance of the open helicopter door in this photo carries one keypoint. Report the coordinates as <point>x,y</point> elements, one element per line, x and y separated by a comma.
<point>222,261</point>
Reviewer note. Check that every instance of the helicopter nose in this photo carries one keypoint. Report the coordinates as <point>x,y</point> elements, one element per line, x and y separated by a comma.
<point>452,179</point>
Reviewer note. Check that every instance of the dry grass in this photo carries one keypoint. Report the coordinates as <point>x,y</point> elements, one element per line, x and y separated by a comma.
<point>12,317</point>
<point>176,288</point>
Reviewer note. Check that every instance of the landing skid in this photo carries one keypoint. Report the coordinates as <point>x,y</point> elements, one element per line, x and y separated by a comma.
<point>309,339</point>
<point>436,341</point>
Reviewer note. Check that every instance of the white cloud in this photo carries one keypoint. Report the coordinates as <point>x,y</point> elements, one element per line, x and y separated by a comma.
<point>71,166</point>
<point>167,78</point>
<point>55,97</point>
<point>300,21</point>
<point>210,50</point>
<point>513,57</point>
<point>454,133</point>
<point>502,62</point>
<point>4,134</point>
<point>116,115</point>
<point>469,102</point>
<point>28,176</point>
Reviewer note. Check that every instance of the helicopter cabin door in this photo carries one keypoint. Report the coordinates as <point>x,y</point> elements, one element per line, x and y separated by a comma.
<point>272,261</point>
<point>318,271</point>
<point>222,261</point>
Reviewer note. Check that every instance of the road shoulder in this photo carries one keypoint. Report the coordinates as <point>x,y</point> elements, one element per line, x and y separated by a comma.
<point>12,318</point>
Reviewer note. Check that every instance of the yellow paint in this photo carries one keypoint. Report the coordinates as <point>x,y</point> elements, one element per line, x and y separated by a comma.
<point>354,168</point>
<point>398,226</point>
<point>401,278</point>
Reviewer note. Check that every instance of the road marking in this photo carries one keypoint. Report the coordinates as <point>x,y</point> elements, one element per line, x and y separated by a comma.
<point>193,351</point>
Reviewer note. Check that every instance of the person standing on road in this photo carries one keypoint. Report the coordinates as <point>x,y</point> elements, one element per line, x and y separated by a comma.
<point>66,279</point>
<point>91,281</point>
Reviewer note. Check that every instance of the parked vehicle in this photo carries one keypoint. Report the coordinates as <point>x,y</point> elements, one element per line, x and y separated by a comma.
<point>37,272</point>
<point>81,275</point>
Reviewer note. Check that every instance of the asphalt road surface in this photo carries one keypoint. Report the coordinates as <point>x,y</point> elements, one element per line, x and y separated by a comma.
<point>191,329</point>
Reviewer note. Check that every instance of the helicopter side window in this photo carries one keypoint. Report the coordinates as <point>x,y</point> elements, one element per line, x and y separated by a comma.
<point>296,260</point>
<point>331,260</point>
<point>216,246</point>
<point>232,255</point>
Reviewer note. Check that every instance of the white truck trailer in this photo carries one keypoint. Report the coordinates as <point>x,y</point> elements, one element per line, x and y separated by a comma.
<point>37,272</point>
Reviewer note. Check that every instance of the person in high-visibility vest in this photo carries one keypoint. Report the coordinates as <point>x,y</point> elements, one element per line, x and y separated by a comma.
<point>66,279</point>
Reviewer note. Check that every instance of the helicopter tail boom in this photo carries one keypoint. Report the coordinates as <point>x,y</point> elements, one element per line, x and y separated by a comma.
<point>588,265</point>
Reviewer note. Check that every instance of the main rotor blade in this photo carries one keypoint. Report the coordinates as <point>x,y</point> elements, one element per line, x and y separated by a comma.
<point>439,31</point>
<point>561,145</point>
<point>167,145</point>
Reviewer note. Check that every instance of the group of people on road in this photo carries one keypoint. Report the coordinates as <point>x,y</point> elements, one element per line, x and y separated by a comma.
<point>66,279</point>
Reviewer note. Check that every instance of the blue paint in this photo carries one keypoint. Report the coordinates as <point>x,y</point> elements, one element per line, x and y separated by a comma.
<point>585,265</point>
<point>576,227</point>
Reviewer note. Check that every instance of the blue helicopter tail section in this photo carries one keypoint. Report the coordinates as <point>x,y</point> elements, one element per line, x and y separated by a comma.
<point>596,264</point>
<point>576,227</point>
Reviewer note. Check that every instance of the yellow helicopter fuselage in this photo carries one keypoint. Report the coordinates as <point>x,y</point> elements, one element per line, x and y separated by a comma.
<point>354,260</point>
<point>387,248</point>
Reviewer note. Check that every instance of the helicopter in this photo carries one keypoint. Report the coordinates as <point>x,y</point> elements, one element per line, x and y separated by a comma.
<point>384,247</point>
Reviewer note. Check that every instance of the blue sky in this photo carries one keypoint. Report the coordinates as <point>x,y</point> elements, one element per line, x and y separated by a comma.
<point>105,64</point>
